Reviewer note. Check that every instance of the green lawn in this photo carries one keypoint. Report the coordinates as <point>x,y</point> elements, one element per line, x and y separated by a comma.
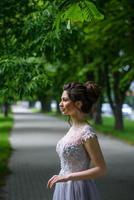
<point>5,148</point>
<point>107,128</point>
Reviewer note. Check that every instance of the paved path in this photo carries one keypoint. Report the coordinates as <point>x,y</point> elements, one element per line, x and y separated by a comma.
<point>34,160</point>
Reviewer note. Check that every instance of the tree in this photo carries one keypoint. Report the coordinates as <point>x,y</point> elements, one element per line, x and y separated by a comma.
<point>19,74</point>
<point>21,78</point>
<point>112,41</point>
<point>106,57</point>
<point>67,36</point>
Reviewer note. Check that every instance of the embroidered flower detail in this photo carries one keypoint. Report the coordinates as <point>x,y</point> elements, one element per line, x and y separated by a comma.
<point>87,133</point>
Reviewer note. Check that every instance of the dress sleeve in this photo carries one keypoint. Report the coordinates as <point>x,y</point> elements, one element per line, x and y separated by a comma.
<point>88,133</point>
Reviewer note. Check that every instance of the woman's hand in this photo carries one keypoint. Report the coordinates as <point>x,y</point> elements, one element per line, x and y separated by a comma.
<point>57,178</point>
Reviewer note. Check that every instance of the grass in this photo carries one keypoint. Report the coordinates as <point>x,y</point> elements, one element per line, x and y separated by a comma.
<point>35,110</point>
<point>126,135</point>
<point>5,148</point>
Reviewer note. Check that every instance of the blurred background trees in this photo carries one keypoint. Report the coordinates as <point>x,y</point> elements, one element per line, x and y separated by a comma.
<point>44,44</point>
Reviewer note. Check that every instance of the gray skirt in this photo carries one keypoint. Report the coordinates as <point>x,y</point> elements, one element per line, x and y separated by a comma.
<point>76,190</point>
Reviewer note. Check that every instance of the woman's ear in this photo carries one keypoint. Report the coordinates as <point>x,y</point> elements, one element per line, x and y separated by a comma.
<point>78,104</point>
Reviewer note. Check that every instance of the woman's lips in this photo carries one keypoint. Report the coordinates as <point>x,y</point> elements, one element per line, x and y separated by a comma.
<point>62,109</point>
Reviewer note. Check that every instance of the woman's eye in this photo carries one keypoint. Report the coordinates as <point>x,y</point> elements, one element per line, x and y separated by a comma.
<point>65,99</point>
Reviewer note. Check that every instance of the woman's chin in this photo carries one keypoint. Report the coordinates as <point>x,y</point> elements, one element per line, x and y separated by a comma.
<point>64,113</point>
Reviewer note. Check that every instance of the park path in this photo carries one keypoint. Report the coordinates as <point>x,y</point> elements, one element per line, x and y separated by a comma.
<point>34,160</point>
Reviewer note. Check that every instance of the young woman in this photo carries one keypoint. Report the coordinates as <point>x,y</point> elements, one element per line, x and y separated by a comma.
<point>79,147</point>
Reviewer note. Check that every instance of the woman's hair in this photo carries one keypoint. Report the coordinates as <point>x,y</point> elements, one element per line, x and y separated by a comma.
<point>88,93</point>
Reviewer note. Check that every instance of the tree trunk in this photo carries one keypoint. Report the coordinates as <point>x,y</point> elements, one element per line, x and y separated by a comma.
<point>31,104</point>
<point>45,106</point>
<point>6,109</point>
<point>119,125</point>
<point>97,114</point>
<point>42,105</point>
<point>116,99</point>
<point>57,106</point>
<point>48,107</point>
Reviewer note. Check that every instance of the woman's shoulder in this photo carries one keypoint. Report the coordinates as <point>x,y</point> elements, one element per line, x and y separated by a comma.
<point>88,132</point>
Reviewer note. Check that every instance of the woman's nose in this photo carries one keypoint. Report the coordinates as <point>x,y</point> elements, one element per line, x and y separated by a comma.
<point>60,104</point>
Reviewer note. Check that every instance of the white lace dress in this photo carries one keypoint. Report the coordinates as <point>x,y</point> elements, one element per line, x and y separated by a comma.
<point>74,158</point>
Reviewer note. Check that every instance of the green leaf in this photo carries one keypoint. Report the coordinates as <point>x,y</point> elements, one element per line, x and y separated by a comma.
<point>73,13</point>
<point>92,12</point>
<point>82,11</point>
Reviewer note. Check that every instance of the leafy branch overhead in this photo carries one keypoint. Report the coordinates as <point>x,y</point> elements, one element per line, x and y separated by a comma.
<point>21,77</point>
<point>75,12</point>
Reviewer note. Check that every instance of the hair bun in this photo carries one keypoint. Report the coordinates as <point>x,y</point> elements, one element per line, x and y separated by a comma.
<point>93,91</point>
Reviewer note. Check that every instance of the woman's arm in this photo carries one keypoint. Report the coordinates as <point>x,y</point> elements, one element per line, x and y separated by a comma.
<point>99,169</point>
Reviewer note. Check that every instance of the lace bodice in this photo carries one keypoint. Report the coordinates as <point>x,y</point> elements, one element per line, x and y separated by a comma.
<point>70,148</point>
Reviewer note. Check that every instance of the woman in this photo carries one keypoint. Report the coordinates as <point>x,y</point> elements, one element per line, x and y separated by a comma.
<point>79,147</point>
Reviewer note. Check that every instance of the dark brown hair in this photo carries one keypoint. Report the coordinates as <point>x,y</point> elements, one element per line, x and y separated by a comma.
<point>88,93</point>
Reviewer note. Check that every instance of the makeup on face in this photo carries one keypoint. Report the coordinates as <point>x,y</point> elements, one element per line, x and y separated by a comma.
<point>67,106</point>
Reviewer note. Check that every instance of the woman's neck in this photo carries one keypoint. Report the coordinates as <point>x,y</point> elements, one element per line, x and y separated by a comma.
<point>76,122</point>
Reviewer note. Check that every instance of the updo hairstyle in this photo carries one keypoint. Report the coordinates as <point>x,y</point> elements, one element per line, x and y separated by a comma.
<point>88,93</point>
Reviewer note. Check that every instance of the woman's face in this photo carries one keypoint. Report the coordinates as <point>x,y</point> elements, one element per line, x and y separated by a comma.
<point>67,107</point>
